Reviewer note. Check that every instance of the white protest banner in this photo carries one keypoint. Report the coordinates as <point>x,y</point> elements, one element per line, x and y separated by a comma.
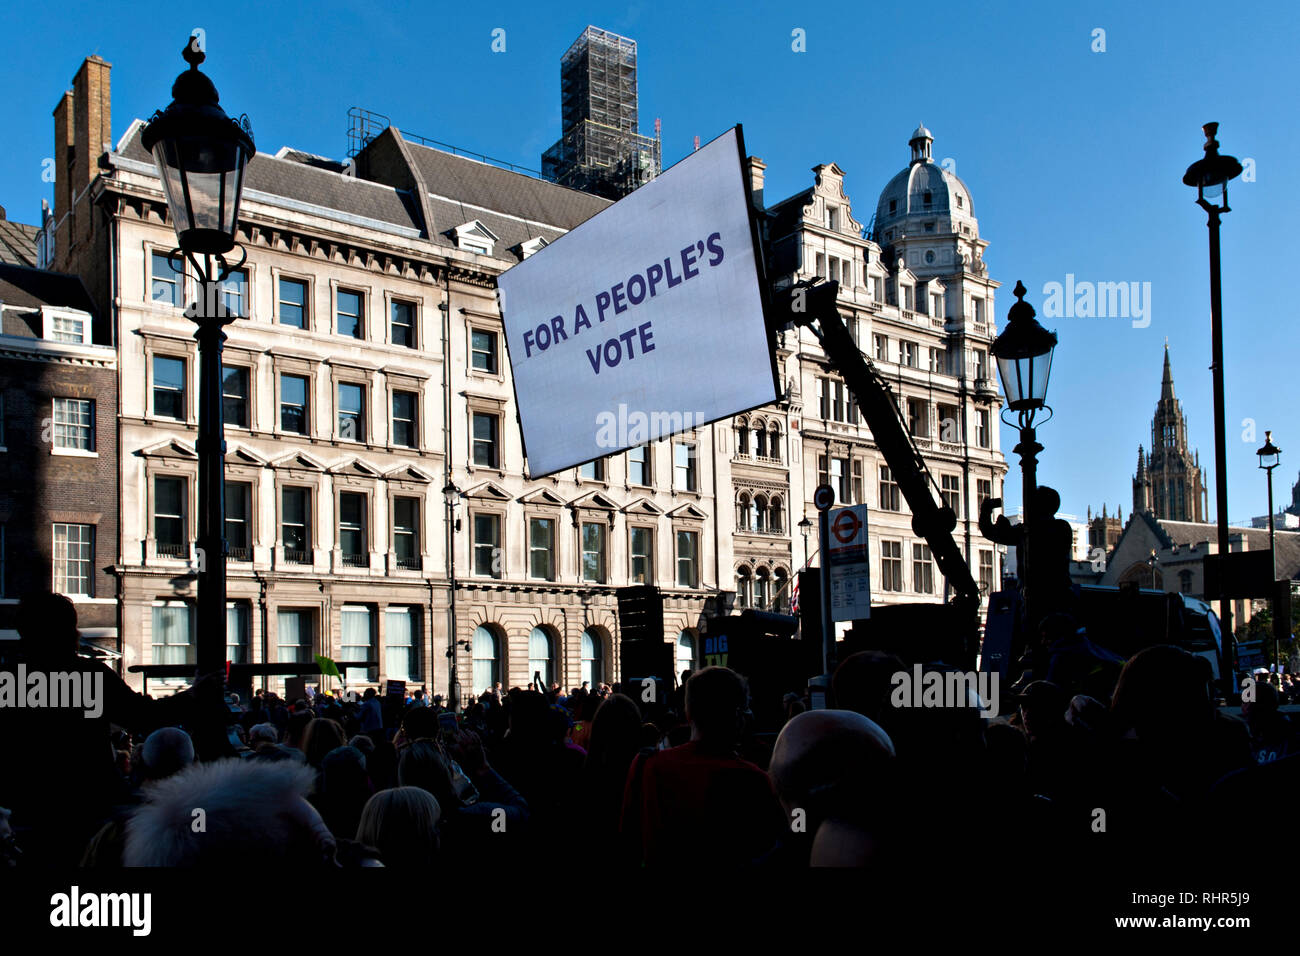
<point>645,321</point>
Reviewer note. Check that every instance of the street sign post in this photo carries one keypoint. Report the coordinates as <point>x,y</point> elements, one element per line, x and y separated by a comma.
<point>824,499</point>
<point>850,564</point>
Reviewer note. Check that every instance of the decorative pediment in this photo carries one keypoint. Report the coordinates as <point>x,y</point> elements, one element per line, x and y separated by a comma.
<point>172,448</point>
<point>487,490</point>
<point>594,500</point>
<point>642,506</point>
<point>354,467</point>
<point>409,473</point>
<point>542,496</point>
<point>298,460</point>
<point>528,247</point>
<point>239,455</point>
<point>689,512</point>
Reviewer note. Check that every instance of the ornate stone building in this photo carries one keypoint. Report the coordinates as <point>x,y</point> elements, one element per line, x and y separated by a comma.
<point>1169,483</point>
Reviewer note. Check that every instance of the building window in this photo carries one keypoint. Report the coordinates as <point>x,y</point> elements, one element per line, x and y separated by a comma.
<point>293,635</point>
<point>406,533</point>
<point>744,589</point>
<point>74,424</point>
<point>540,656</point>
<point>938,361</point>
<point>981,364</point>
<point>593,470</point>
<point>889,498</point>
<point>169,519</point>
<point>234,293</point>
<point>487,545</point>
<point>485,440</point>
<point>983,491</point>
<point>936,305</point>
<point>746,520</point>
<point>832,219</point>
<point>986,571</point>
<point>742,425</point>
<point>74,553</point>
<point>949,424</point>
<point>348,313</point>
<point>685,652</point>
<point>922,569</point>
<point>891,565</point>
<point>237,618</point>
<point>403,324</point>
<point>352,530</point>
<point>486,666</point>
<point>295,525</point>
<point>979,310</point>
<point>881,344</point>
<point>238,539</point>
<point>593,552</point>
<point>401,643</point>
<point>638,466</point>
<point>293,303</point>
<point>483,350</point>
<point>951,492</point>
<point>821,264</point>
<point>878,288</point>
<point>173,633</point>
<point>1185,582</point>
<point>688,552</point>
<point>839,480</point>
<point>541,548</point>
<point>355,640</point>
<point>918,417</point>
<point>295,408</point>
<point>774,440</point>
<point>166,281</point>
<point>405,421</point>
<point>68,328</point>
<point>169,387</point>
<point>982,428</point>
<point>593,659</point>
<point>857,481</point>
<point>684,467</point>
<point>641,545</point>
<point>352,418</point>
<point>775,520</point>
<point>907,354</point>
<point>234,395</point>
<point>780,593</point>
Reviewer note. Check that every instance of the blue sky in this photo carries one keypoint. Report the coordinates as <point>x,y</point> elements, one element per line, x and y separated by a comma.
<point>1074,157</point>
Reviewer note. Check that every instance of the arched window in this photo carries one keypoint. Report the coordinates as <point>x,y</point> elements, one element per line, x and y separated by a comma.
<point>593,659</point>
<point>781,593</point>
<point>742,588</point>
<point>760,513</point>
<point>742,512</point>
<point>760,440</point>
<point>762,589</point>
<point>742,436</point>
<point>685,652</point>
<point>540,656</point>
<point>487,668</point>
<point>1185,581</point>
<point>774,443</point>
<point>775,521</point>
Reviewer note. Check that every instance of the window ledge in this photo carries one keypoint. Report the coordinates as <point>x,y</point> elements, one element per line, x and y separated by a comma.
<point>72,452</point>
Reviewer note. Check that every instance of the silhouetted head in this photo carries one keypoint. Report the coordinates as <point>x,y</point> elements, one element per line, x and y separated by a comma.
<point>863,682</point>
<point>166,751</point>
<point>717,699</point>
<point>1164,695</point>
<point>402,824</point>
<point>47,624</point>
<point>322,736</point>
<point>1047,502</point>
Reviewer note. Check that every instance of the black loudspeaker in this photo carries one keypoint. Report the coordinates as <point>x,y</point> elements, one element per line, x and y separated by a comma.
<point>646,658</point>
<point>640,613</point>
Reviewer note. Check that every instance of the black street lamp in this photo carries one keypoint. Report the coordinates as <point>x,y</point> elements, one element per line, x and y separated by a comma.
<point>1210,175</point>
<point>451,494</point>
<point>805,526</point>
<point>1270,456</point>
<point>201,153</point>
<point>1024,352</point>
<point>1152,561</point>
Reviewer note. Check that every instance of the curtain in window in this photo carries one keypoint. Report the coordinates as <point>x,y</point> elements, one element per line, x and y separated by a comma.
<point>592,670</point>
<point>355,641</point>
<point>171,636</point>
<point>237,633</point>
<point>483,648</point>
<point>539,655</point>
<point>400,659</point>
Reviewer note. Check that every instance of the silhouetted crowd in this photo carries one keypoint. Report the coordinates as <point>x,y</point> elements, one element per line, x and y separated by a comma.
<point>1098,767</point>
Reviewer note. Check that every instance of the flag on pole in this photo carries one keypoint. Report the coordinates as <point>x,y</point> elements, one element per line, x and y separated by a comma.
<point>327,667</point>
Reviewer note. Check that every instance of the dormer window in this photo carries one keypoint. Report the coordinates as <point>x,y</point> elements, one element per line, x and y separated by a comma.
<point>528,247</point>
<point>929,227</point>
<point>961,202</point>
<point>62,326</point>
<point>475,237</point>
<point>893,206</point>
<point>926,199</point>
<point>832,219</point>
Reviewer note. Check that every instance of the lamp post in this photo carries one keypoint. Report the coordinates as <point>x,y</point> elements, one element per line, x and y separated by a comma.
<point>1024,354</point>
<point>1152,561</point>
<point>1270,456</point>
<point>201,153</point>
<point>805,526</point>
<point>451,494</point>
<point>1210,175</point>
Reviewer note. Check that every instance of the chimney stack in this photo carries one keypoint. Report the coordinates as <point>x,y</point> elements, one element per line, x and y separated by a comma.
<point>757,174</point>
<point>82,127</point>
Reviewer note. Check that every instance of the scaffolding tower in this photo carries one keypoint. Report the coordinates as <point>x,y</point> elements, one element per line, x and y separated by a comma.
<point>600,149</point>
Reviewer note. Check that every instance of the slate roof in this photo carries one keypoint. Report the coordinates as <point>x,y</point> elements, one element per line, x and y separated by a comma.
<point>298,176</point>
<point>1184,533</point>
<point>17,242</point>
<point>26,287</point>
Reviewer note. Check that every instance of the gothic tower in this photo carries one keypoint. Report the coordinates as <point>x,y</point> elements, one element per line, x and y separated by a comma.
<point>1169,483</point>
